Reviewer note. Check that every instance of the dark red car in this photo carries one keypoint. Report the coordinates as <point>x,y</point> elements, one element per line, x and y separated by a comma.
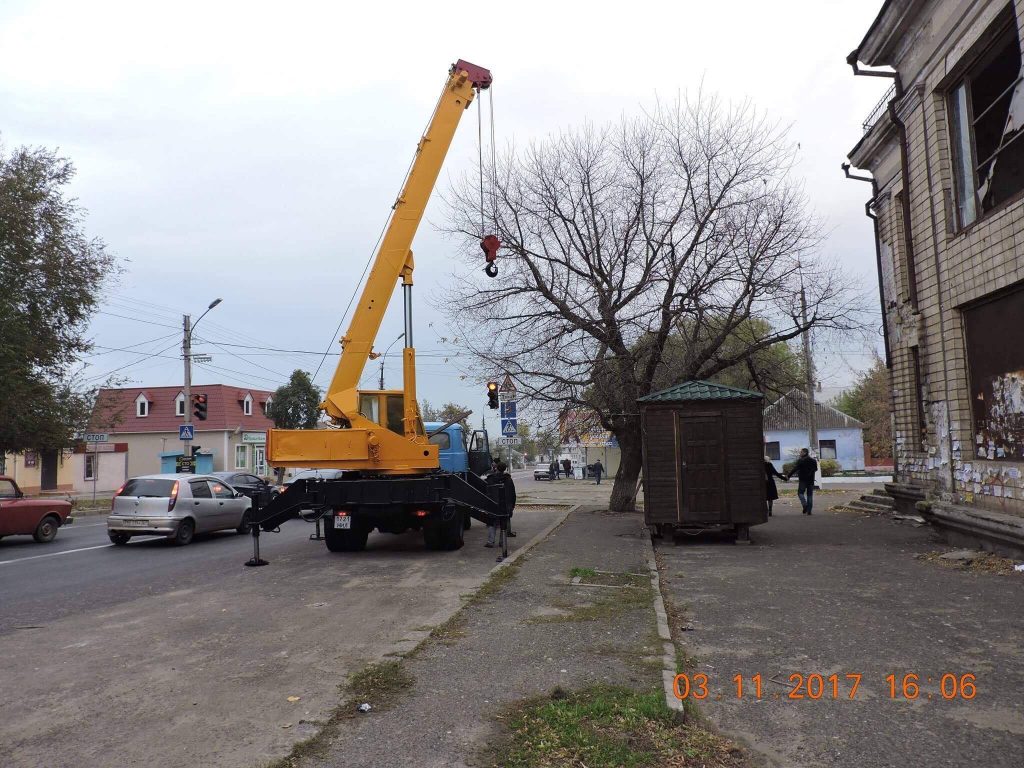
<point>39,518</point>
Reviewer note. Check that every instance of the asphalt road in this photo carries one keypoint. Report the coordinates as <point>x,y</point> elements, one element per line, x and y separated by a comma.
<point>156,655</point>
<point>81,571</point>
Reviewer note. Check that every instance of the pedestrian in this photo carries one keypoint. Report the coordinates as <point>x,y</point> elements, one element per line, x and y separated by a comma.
<point>500,475</point>
<point>598,471</point>
<point>770,473</point>
<point>567,465</point>
<point>805,469</point>
<point>553,470</point>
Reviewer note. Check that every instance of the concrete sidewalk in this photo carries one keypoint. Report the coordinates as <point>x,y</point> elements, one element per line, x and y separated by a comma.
<point>839,593</point>
<point>535,631</point>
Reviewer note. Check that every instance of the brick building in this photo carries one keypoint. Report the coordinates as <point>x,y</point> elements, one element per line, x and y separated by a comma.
<point>946,167</point>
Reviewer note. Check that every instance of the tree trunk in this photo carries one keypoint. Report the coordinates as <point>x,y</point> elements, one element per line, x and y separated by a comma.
<point>623,497</point>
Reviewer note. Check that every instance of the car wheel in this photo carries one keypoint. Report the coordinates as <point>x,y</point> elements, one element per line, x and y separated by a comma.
<point>118,538</point>
<point>243,527</point>
<point>46,531</point>
<point>186,530</point>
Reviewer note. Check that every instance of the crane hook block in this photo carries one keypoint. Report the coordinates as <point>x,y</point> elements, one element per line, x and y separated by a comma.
<point>490,245</point>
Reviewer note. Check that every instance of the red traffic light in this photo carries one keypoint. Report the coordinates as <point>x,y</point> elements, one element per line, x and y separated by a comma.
<point>199,407</point>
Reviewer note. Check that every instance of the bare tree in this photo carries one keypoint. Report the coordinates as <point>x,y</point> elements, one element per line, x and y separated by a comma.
<point>683,222</point>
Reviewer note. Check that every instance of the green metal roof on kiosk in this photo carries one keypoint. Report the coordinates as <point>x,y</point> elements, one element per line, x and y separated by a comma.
<point>699,390</point>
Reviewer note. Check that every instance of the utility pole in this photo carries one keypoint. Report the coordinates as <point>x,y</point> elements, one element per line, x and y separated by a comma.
<point>186,348</point>
<point>812,427</point>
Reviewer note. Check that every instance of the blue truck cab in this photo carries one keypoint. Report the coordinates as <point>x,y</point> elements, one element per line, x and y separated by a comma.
<point>457,451</point>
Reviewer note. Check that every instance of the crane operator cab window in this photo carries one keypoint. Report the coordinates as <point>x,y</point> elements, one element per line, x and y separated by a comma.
<point>393,408</point>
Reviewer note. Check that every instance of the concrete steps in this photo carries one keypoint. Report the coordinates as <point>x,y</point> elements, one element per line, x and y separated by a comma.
<point>877,502</point>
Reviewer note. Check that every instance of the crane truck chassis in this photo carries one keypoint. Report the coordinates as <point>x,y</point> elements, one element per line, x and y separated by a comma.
<point>392,478</point>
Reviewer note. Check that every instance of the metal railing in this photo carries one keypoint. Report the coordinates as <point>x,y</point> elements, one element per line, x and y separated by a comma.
<point>876,114</point>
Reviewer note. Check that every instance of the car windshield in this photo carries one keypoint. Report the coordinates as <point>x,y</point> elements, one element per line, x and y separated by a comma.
<point>148,487</point>
<point>7,490</point>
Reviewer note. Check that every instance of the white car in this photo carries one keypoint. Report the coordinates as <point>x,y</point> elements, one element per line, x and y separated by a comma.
<point>177,507</point>
<point>542,472</point>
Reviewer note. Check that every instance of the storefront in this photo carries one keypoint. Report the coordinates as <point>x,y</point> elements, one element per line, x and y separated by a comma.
<point>251,453</point>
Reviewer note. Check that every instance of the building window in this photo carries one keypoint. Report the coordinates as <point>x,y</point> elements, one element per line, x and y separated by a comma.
<point>984,110</point>
<point>90,466</point>
<point>31,459</point>
<point>241,456</point>
<point>247,405</point>
<point>826,449</point>
<point>995,362</point>
<point>773,451</point>
<point>141,407</point>
<point>917,427</point>
<point>179,404</point>
<point>267,405</point>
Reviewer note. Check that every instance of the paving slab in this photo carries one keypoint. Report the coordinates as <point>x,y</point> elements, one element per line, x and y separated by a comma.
<point>842,593</point>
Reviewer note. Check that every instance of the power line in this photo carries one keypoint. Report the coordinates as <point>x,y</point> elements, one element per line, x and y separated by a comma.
<point>130,346</point>
<point>145,356</point>
<point>135,319</point>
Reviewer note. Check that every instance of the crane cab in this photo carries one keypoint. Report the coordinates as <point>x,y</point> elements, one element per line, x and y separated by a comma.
<point>386,407</point>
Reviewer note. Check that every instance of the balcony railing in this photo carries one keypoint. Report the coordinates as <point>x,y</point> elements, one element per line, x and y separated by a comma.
<point>876,114</point>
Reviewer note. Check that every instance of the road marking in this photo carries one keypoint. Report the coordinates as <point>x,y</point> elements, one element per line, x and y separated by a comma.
<point>55,554</point>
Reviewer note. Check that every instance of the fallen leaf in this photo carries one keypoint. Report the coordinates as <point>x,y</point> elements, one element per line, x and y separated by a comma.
<point>293,698</point>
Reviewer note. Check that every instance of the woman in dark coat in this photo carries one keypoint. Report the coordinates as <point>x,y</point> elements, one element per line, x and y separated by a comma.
<point>770,474</point>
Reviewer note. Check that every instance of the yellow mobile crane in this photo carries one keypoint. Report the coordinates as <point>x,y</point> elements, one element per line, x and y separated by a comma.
<point>393,481</point>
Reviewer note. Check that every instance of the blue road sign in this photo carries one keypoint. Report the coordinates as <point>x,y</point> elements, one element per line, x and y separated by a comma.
<point>186,431</point>
<point>508,409</point>
<point>509,427</point>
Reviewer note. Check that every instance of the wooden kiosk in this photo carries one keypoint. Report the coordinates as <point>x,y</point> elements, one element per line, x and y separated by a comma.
<point>703,459</point>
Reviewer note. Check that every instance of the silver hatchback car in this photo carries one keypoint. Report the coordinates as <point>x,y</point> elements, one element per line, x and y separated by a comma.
<point>176,506</point>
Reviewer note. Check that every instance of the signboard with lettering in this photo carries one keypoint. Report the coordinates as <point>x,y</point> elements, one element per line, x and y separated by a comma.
<point>254,437</point>
<point>185,465</point>
<point>96,437</point>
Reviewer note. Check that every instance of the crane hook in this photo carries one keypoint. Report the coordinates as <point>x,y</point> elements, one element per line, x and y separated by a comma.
<point>490,245</point>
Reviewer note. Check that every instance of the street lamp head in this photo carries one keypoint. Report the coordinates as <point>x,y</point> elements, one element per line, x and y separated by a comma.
<point>214,303</point>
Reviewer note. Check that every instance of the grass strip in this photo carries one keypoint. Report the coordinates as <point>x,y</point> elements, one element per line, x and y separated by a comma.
<point>606,727</point>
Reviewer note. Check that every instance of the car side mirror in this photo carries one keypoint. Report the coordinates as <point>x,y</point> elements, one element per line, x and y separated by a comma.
<point>19,494</point>
<point>238,494</point>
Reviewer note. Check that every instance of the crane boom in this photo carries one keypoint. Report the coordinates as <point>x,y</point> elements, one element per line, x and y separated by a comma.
<point>382,431</point>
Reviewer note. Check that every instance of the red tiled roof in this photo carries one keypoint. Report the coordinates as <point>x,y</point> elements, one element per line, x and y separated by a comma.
<point>115,409</point>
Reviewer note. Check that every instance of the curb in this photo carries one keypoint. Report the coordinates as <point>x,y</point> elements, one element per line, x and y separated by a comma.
<point>414,638</point>
<point>668,659</point>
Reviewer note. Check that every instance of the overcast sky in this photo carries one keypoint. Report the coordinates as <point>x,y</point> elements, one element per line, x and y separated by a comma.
<point>252,151</point>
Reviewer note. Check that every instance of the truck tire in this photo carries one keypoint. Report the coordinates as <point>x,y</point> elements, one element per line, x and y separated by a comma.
<point>46,531</point>
<point>337,540</point>
<point>444,533</point>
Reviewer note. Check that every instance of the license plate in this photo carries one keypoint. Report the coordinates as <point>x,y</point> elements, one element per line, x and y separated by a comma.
<point>141,523</point>
<point>343,522</point>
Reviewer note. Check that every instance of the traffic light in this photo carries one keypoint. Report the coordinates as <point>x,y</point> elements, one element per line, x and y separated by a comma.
<point>492,394</point>
<point>199,407</point>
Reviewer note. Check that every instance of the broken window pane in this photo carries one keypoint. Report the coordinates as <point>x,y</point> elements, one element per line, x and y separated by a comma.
<point>986,116</point>
<point>963,158</point>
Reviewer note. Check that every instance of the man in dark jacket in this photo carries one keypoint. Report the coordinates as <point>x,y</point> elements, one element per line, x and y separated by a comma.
<point>501,475</point>
<point>567,466</point>
<point>805,469</point>
<point>598,470</point>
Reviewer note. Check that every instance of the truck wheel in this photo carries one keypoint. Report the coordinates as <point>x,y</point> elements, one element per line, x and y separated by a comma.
<point>444,534</point>
<point>46,531</point>
<point>353,540</point>
<point>186,530</point>
<point>118,538</point>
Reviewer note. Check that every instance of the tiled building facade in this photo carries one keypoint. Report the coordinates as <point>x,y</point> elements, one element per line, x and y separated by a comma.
<point>946,159</point>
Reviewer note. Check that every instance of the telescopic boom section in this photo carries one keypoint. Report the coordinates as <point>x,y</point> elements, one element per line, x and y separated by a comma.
<point>366,442</point>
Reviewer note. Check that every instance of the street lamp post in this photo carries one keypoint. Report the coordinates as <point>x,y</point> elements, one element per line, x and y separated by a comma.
<point>384,357</point>
<point>186,348</point>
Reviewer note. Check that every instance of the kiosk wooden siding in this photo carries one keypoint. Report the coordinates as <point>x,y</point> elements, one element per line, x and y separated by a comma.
<point>703,457</point>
